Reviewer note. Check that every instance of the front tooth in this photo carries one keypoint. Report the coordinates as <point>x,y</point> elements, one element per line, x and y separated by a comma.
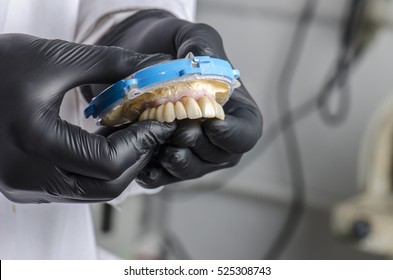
<point>145,115</point>
<point>220,114</point>
<point>207,107</point>
<point>152,113</point>
<point>180,111</point>
<point>192,109</point>
<point>160,113</point>
<point>169,112</point>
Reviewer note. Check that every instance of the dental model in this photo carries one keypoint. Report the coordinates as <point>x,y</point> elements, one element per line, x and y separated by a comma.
<point>193,88</point>
<point>187,107</point>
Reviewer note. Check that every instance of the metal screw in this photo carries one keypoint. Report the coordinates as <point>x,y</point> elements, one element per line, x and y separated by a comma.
<point>360,229</point>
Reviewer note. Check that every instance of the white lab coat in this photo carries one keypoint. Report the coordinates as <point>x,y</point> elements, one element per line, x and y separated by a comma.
<point>63,231</point>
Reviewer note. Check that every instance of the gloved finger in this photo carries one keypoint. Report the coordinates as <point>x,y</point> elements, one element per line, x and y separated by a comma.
<point>177,164</point>
<point>102,190</point>
<point>236,134</point>
<point>76,64</point>
<point>108,130</point>
<point>90,91</point>
<point>78,151</point>
<point>183,164</point>
<point>200,39</point>
<point>189,134</point>
<point>74,187</point>
<point>154,176</point>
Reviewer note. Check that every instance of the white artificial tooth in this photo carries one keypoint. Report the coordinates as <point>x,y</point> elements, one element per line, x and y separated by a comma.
<point>145,115</point>
<point>169,112</point>
<point>207,107</point>
<point>152,113</point>
<point>192,109</point>
<point>220,114</point>
<point>180,111</point>
<point>160,113</point>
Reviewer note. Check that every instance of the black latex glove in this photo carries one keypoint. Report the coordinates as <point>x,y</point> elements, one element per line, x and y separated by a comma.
<point>44,158</point>
<point>196,148</point>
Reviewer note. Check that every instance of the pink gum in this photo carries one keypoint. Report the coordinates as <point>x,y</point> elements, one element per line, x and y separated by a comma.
<point>181,96</point>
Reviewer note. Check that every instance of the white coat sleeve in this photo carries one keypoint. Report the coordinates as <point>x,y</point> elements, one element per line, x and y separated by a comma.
<point>97,17</point>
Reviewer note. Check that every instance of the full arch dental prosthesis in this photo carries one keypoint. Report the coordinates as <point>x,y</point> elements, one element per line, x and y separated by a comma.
<point>194,87</point>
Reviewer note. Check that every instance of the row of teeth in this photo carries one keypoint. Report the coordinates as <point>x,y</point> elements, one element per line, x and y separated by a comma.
<point>186,107</point>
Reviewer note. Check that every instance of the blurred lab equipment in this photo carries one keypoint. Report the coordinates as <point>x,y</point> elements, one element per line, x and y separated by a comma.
<point>366,220</point>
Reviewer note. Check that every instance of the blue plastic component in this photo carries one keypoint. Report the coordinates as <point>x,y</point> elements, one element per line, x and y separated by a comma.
<point>202,65</point>
<point>107,98</point>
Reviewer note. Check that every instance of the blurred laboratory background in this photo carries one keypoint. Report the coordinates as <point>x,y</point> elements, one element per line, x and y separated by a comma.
<point>321,72</point>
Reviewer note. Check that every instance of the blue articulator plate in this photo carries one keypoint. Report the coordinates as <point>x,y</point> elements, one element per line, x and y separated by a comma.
<point>156,75</point>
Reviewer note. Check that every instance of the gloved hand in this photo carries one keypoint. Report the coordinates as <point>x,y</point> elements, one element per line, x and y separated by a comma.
<point>196,148</point>
<point>44,158</point>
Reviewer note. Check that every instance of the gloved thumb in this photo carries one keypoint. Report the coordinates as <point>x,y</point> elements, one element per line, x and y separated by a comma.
<point>200,39</point>
<point>103,65</point>
<point>71,64</point>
